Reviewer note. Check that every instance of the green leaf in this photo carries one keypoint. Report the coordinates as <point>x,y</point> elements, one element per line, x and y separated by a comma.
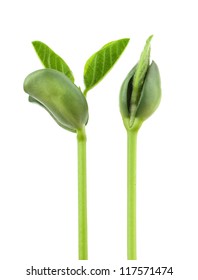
<point>142,68</point>
<point>99,64</point>
<point>51,60</point>
<point>139,78</point>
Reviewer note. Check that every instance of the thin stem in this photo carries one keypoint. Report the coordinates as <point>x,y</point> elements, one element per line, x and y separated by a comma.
<point>131,194</point>
<point>82,196</point>
<point>85,92</point>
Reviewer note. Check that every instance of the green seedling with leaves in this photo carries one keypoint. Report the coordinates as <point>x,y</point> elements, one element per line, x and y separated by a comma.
<point>140,96</point>
<point>53,88</point>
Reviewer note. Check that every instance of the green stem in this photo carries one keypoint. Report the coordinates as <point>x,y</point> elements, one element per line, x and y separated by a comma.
<point>82,196</point>
<point>131,194</point>
<point>85,92</point>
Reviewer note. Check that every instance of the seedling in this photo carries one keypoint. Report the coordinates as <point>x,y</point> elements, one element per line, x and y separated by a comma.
<point>53,88</point>
<point>140,96</point>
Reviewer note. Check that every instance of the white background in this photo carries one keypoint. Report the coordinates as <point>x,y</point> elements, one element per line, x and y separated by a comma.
<point>38,181</point>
